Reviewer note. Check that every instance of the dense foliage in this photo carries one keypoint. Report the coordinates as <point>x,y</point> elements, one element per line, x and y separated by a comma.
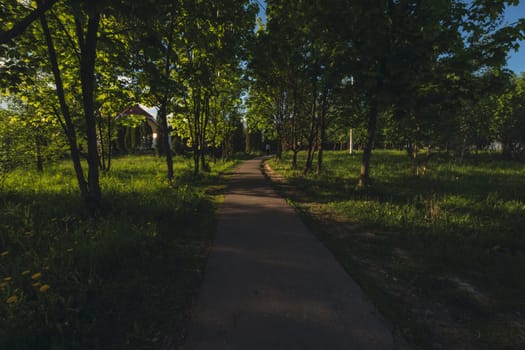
<point>81,62</point>
<point>402,74</point>
<point>425,77</point>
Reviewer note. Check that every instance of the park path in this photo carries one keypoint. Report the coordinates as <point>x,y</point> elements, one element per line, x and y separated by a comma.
<point>270,284</point>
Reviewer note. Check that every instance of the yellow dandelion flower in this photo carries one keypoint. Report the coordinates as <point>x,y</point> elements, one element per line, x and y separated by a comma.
<point>44,288</point>
<point>6,253</point>
<point>36,276</point>
<point>26,272</point>
<point>12,299</point>
<point>7,279</point>
<point>36,284</point>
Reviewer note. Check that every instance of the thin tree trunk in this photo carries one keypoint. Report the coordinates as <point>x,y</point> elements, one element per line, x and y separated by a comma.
<point>364,175</point>
<point>295,146</point>
<point>20,27</point>
<point>247,141</point>
<point>294,158</point>
<point>164,137</point>
<point>109,143</point>
<point>279,148</point>
<point>163,112</point>
<point>311,136</point>
<point>102,158</point>
<point>195,131</point>
<point>320,148</point>
<point>202,136</point>
<point>67,123</point>
<point>322,131</point>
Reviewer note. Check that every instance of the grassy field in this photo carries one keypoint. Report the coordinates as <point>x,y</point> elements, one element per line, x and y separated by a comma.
<point>442,255</point>
<point>124,280</point>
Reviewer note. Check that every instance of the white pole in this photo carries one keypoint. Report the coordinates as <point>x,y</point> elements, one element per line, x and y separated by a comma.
<point>351,142</point>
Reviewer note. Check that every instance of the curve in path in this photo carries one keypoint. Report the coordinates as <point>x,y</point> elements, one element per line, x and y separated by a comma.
<point>270,284</point>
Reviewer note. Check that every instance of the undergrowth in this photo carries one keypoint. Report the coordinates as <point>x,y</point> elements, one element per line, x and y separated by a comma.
<point>122,280</point>
<point>454,236</point>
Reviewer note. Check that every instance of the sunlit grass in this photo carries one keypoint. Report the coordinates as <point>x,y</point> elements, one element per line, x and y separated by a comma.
<point>69,281</point>
<point>461,221</point>
<point>482,202</point>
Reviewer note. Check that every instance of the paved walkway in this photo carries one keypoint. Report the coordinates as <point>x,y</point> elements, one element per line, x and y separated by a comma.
<point>270,284</point>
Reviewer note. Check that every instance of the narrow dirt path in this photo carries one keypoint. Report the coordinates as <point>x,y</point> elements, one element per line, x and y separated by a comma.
<point>270,284</point>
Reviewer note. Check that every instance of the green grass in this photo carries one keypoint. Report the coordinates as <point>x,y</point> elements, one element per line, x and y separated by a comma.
<point>123,280</point>
<point>451,242</point>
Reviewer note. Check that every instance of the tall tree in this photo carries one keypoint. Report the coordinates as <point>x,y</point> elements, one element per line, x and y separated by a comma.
<point>155,29</point>
<point>69,34</point>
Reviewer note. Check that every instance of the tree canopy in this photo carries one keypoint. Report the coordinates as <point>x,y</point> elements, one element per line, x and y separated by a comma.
<point>406,73</point>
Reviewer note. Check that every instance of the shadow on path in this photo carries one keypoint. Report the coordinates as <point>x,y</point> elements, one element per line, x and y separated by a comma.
<point>270,284</point>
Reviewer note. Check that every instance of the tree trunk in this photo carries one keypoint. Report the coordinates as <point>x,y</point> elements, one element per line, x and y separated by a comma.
<point>164,137</point>
<point>67,123</point>
<point>364,175</point>
<point>110,150</point>
<point>87,77</point>
<point>102,153</point>
<point>247,141</point>
<point>322,131</point>
<point>295,146</point>
<point>163,143</point>
<point>294,158</point>
<point>202,136</point>
<point>195,132</point>
<point>320,158</point>
<point>312,134</point>
<point>20,27</point>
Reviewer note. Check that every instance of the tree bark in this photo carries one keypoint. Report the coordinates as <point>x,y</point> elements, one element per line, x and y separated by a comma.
<point>195,129</point>
<point>295,145</point>
<point>110,150</point>
<point>202,136</point>
<point>87,77</point>
<point>67,124</point>
<point>164,137</point>
<point>364,175</point>
<point>313,131</point>
<point>164,141</point>
<point>322,131</point>
<point>20,27</point>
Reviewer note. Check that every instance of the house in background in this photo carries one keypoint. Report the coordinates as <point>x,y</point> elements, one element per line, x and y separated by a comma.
<point>137,129</point>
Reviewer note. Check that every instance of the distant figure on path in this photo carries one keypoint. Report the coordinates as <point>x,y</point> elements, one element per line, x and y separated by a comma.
<point>267,149</point>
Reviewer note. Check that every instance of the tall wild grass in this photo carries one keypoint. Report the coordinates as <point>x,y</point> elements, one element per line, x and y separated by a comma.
<point>122,280</point>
